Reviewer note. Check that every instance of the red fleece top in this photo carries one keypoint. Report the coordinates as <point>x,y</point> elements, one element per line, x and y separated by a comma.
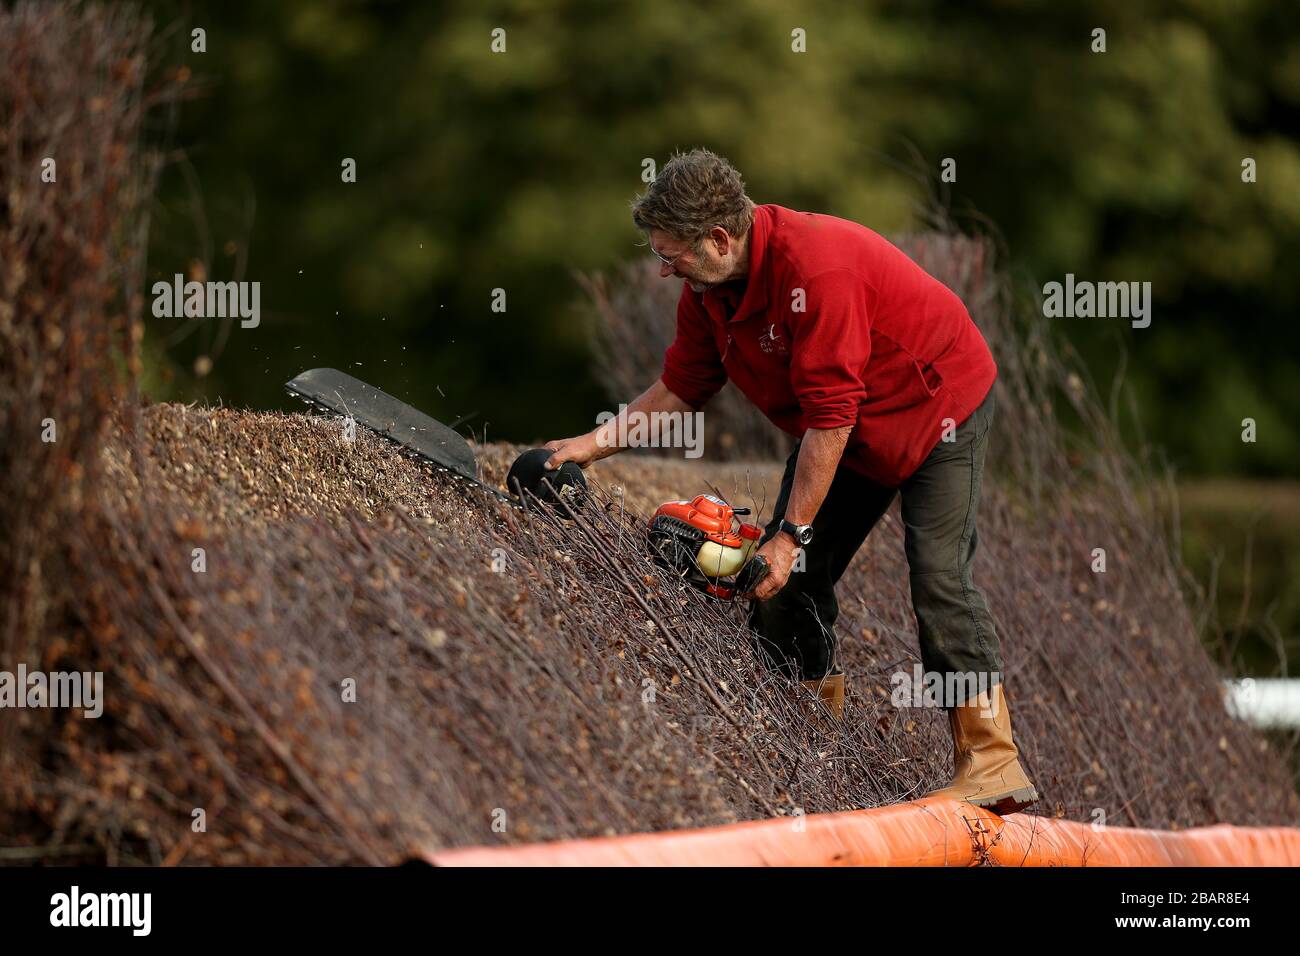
<point>836,326</point>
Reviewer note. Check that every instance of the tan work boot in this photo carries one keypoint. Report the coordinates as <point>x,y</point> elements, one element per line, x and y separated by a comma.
<point>986,763</point>
<point>829,690</point>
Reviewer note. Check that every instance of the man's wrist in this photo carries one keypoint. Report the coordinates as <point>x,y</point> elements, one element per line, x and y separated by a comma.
<point>797,532</point>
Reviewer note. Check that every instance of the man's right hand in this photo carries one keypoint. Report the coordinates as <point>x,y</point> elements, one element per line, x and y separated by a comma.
<point>583,449</point>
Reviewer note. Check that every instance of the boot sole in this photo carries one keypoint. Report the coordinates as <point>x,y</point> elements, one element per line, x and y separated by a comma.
<point>1012,802</point>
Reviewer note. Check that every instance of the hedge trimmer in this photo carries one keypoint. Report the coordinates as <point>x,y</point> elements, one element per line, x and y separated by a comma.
<point>701,541</point>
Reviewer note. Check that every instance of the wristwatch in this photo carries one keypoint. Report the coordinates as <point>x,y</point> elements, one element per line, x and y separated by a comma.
<point>802,533</point>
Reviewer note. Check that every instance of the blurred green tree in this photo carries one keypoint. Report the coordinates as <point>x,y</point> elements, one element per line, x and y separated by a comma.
<point>480,170</point>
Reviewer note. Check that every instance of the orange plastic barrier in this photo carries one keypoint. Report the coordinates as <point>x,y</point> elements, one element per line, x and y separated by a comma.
<point>928,832</point>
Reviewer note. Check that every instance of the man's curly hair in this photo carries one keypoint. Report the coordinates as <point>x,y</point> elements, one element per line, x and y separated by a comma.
<point>694,192</point>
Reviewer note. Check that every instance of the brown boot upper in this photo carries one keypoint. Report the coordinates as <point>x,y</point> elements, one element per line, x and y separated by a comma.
<point>830,691</point>
<point>986,762</point>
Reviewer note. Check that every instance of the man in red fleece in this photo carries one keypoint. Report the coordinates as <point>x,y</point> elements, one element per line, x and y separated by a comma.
<point>876,367</point>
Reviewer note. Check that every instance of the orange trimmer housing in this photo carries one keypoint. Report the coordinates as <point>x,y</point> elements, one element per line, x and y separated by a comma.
<point>679,528</point>
<point>713,517</point>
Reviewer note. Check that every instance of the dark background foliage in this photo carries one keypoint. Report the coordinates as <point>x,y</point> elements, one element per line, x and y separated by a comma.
<point>480,170</point>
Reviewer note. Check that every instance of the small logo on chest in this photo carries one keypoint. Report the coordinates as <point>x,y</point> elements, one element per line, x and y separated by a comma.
<point>771,342</point>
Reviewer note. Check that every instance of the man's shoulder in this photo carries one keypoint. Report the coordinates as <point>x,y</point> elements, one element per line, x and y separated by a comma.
<point>807,243</point>
<point>788,222</point>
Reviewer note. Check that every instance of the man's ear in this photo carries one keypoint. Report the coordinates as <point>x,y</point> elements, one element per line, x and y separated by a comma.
<point>722,241</point>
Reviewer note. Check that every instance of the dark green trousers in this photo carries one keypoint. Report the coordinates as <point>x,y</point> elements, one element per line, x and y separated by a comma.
<point>795,629</point>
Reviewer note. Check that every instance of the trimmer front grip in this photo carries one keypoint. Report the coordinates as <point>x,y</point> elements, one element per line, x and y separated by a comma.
<point>752,574</point>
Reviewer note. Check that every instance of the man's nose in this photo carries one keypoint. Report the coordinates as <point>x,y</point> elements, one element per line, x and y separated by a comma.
<point>665,270</point>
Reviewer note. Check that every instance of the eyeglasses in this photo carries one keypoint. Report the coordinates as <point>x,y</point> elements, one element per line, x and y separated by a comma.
<point>663,259</point>
<point>674,259</point>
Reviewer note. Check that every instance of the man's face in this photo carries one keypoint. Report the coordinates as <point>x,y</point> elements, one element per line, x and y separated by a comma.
<point>701,269</point>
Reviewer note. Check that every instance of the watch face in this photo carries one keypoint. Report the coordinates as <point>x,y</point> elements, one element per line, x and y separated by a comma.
<point>802,533</point>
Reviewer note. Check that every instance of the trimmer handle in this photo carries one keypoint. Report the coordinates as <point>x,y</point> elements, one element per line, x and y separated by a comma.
<point>752,574</point>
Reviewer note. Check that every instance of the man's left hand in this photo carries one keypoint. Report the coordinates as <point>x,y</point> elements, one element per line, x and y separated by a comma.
<point>780,554</point>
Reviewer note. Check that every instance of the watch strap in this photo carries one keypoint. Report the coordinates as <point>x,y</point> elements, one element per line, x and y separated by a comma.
<point>792,529</point>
